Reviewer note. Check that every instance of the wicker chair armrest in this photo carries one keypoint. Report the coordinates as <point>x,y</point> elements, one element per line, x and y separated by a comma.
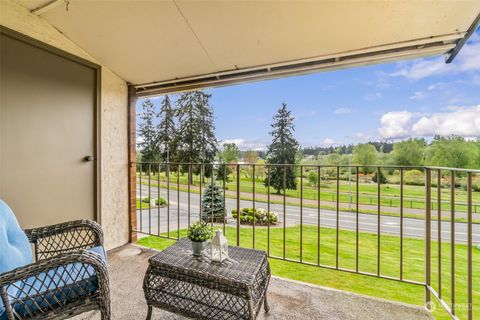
<point>65,237</point>
<point>71,226</point>
<point>42,266</point>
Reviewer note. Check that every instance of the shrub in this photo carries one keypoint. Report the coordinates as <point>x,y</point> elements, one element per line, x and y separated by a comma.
<point>313,178</point>
<point>414,178</point>
<point>199,231</point>
<point>161,202</point>
<point>259,216</point>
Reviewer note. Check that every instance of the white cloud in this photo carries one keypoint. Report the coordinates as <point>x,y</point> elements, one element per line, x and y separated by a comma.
<point>454,100</point>
<point>327,87</point>
<point>461,121</point>
<point>372,96</point>
<point>311,113</point>
<point>342,111</point>
<point>419,95</point>
<point>453,108</point>
<point>436,86</point>
<point>362,136</point>
<point>394,124</point>
<point>328,141</point>
<point>467,60</point>
<point>244,145</point>
<point>464,122</point>
<point>476,80</point>
<point>381,80</point>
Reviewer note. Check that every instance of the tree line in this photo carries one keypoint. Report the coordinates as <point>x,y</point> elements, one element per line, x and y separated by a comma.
<point>183,132</point>
<point>380,146</point>
<point>442,151</point>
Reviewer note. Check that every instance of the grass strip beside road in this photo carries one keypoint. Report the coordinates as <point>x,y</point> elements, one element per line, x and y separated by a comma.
<point>343,208</point>
<point>414,196</point>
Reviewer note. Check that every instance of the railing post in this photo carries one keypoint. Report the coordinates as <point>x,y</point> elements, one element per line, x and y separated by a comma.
<point>439,231</point>
<point>452,241</point>
<point>428,197</point>
<point>238,205</point>
<point>401,223</point>
<point>469,247</point>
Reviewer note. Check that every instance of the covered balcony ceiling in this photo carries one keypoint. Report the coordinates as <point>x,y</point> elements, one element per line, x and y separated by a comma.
<point>162,46</point>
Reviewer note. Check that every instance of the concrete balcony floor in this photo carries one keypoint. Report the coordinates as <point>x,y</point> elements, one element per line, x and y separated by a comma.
<point>288,299</point>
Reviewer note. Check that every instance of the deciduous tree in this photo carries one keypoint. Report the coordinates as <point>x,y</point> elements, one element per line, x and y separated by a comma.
<point>452,151</point>
<point>410,152</point>
<point>363,155</point>
<point>230,153</point>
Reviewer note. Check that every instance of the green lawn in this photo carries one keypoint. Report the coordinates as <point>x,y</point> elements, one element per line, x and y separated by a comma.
<point>389,262</point>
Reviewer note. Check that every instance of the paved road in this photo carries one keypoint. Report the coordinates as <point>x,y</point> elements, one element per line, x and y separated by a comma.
<point>175,213</point>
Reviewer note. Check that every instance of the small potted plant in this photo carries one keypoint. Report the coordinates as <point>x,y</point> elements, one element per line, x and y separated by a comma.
<point>199,233</point>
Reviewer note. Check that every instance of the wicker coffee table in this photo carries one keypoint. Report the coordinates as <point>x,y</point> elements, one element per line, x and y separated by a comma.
<point>194,287</point>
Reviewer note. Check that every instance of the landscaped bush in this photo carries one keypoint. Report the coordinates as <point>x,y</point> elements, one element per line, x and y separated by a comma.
<point>158,202</point>
<point>414,178</point>
<point>475,187</point>
<point>260,216</point>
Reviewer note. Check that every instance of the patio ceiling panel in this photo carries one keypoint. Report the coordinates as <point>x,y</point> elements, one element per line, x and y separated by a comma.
<point>259,33</point>
<point>163,46</point>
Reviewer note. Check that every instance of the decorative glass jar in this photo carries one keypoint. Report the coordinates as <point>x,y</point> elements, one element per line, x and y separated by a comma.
<point>219,247</point>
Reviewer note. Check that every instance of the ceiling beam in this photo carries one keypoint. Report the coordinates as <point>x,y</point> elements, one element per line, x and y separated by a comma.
<point>48,6</point>
<point>295,68</point>
<point>453,53</point>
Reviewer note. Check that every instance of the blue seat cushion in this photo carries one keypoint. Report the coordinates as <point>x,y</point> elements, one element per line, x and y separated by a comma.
<point>15,248</point>
<point>52,289</point>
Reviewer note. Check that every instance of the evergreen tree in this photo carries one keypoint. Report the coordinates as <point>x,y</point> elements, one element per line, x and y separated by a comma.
<point>212,202</point>
<point>282,150</point>
<point>196,140</point>
<point>166,130</point>
<point>147,131</point>
<point>223,172</point>
<point>383,179</point>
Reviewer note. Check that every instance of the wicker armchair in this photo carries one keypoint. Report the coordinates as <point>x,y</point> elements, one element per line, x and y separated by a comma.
<point>69,275</point>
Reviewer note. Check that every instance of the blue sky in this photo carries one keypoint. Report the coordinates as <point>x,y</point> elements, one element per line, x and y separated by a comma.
<point>412,98</point>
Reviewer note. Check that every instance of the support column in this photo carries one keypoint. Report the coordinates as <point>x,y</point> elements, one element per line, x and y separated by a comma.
<point>132,163</point>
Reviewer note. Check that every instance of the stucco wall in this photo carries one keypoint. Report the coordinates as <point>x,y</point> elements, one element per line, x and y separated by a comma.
<point>114,171</point>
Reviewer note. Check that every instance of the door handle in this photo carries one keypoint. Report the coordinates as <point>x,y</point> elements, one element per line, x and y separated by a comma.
<point>89,158</point>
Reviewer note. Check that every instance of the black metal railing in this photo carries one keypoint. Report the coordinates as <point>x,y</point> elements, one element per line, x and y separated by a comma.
<point>317,225</point>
